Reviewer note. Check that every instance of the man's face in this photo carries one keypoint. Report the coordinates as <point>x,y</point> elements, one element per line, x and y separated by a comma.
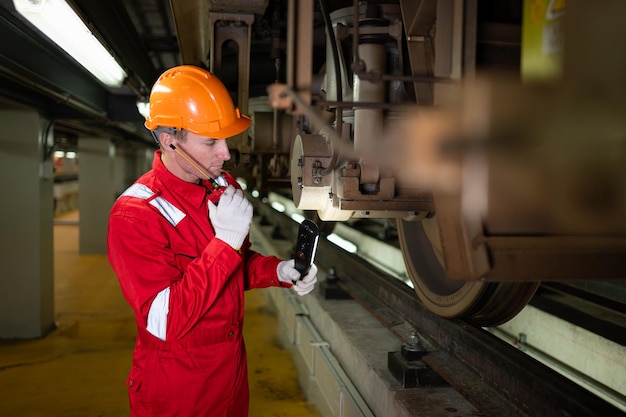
<point>210,154</point>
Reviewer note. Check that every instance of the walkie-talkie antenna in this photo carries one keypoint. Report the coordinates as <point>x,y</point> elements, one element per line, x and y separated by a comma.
<point>191,162</point>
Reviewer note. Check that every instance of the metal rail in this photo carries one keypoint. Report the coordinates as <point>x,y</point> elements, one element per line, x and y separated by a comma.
<point>494,376</point>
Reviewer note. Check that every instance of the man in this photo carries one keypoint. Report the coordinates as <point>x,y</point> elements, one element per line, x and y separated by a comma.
<point>178,242</point>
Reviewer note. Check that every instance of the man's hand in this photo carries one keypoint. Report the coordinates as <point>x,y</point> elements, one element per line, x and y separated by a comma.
<point>287,272</point>
<point>232,217</point>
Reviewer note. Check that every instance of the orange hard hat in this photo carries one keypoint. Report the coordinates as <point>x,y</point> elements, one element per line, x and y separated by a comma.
<point>191,98</point>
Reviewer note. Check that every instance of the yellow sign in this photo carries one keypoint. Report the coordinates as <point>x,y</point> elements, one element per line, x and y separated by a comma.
<point>542,39</point>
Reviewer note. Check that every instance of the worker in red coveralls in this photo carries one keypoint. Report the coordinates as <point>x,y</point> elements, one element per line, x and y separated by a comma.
<point>184,260</point>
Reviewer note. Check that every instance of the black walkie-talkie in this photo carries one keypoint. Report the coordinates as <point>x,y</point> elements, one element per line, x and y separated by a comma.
<point>306,245</point>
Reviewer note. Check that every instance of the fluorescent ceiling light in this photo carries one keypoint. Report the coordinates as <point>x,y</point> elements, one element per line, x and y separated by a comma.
<point>297,217</point>
<point>57,20</point>
<point>342,243</point>
<point>278,206</point>
<point>143,107</point>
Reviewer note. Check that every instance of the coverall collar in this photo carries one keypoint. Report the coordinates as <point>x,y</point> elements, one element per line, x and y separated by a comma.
<point>193,192</point>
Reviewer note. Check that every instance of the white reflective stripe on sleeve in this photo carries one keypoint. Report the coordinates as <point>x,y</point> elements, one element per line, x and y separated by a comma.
<point>157,317</point>
<point>167,209</point>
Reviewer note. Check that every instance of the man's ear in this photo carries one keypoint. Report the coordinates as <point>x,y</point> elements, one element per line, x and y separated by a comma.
<point>166,139</point>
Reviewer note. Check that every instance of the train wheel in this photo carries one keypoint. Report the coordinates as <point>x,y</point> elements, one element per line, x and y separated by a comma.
<point>484,303</point>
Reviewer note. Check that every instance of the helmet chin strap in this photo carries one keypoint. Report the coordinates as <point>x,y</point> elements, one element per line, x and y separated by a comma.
<point>160,129</point>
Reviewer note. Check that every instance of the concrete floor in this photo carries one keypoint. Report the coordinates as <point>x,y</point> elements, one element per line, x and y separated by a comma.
<point>79,369</point>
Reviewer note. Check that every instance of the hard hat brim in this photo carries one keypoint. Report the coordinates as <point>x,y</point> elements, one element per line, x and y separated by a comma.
<point>241,124</point>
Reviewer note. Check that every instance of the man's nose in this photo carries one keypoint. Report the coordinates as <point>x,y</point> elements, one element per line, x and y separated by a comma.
<point>222,150</point>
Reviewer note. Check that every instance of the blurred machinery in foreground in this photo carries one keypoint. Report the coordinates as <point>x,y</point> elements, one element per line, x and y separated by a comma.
<point>497,179</point>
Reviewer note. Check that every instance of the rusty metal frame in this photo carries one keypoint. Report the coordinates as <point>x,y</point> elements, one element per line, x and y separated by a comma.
<point>300,49</point>
<point>239,30</point>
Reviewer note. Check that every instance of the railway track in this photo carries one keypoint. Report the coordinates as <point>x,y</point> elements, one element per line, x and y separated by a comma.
<point>497,378</point>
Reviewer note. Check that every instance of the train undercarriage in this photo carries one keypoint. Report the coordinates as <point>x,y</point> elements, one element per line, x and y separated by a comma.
<point>497,174</point>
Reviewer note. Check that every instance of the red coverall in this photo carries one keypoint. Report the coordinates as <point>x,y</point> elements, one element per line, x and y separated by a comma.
<point>160,236</point>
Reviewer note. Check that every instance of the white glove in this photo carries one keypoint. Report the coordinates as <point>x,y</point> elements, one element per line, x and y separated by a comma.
<point>232,217</point>
<point>287,272</point>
